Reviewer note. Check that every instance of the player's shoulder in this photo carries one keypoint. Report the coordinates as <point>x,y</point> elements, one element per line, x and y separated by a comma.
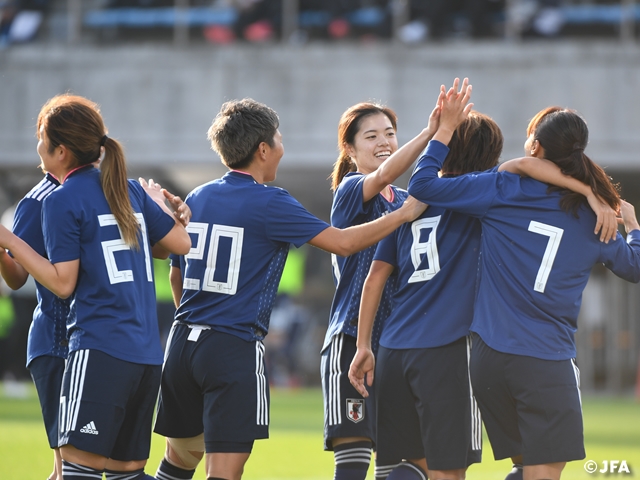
<point>42,189</point>
<point>350,181</point>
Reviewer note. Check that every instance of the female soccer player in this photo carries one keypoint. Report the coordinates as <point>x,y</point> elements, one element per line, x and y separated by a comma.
<point>98,231</point>
<point>537,250</point>
<point>47,341</point>
<point>214,395</point>
<point>362,180</point>
<point>434,261</point>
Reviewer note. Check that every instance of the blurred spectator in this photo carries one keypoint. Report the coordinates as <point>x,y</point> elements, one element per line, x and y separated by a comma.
<point>23,301</point>
<point>20,20</point>
<point>261,20</point>
<point>538,18</point>
<point>140,3</point>
<point>437,19</point>
<point>164,298</point>
<point>288,324</point>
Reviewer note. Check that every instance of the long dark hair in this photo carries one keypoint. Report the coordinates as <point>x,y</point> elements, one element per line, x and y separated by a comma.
<point>348,127</point>
<point>76,123</point>
<point>564,135</point>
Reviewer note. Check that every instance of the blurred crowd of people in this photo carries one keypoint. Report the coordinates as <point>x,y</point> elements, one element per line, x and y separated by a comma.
<point>262,20</point>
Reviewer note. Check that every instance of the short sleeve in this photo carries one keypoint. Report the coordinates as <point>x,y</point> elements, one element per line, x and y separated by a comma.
<point>288,221</point>
<point>27,224</point>
<point>387,249</point>
<point>61,229</point>
<point>347,201</point>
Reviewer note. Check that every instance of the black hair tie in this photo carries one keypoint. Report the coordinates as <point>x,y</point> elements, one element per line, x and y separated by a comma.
<point>103,141</point>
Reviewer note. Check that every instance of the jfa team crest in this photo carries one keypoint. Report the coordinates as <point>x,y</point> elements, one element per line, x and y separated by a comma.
<point>355,409</point>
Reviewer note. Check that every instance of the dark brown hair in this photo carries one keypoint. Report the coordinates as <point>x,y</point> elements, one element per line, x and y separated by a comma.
<point>76,123</point>
<point>348,127</point>
<point>475,146</point>
<point>564,135</point>
<point>239,128</point>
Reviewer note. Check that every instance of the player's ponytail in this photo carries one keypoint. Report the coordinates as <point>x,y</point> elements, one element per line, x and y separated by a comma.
<point>347,129</point>
<point>564,135</point>
<point>76,123</point>
<point>342,166</point>
<point>113,178</point>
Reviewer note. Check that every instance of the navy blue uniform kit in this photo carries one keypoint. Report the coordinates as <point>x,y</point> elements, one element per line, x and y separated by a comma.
<point>112,375</point>
<point>47,342</point>
<point>534,264</point>
<point>230,279</point>
<point>340,398</point>
<point>435,260</point>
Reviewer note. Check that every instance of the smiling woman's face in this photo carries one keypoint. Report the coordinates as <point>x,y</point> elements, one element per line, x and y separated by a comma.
<point>374,143</point>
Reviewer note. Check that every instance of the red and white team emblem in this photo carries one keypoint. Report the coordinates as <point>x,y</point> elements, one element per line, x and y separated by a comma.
<point>355,409</point>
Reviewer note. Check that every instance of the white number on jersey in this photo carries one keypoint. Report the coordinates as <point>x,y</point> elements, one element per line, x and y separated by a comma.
<point>555,236</point>
<point>109,248</point>
<point>236,234</point>
<point>430,248</point>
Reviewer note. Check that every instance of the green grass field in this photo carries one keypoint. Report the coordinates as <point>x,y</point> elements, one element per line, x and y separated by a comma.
<point>294,451</point>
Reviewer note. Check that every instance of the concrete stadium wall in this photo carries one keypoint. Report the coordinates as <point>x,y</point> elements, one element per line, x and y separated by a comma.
<point>160,100</point>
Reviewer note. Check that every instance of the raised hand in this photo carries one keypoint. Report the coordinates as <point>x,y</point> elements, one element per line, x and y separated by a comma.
<point>434,118</point>
<point>455,105</point>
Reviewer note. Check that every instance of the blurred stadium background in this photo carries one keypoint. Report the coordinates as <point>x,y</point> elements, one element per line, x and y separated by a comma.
<point>160,69</point>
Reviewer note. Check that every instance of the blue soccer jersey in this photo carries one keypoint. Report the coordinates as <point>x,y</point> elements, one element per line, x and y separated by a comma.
<point>535,258</point>
<point>349,273</point>
<point>114,304</point>
<point>48,332</point>
<point>436,262</point>
<point>241,232</point>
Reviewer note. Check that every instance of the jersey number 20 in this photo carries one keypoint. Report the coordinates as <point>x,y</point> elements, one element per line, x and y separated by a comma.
<point>200,230</point>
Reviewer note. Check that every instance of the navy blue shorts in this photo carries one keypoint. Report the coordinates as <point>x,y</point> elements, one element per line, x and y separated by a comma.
<point>346,412</point>
<point>107,405</point>
<point>47,372</point>
<point>529,406</point>
<point>426,408</point>
<point>215,383</point>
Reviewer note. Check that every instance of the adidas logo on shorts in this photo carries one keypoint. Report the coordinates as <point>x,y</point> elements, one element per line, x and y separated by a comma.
<point>89,428</point>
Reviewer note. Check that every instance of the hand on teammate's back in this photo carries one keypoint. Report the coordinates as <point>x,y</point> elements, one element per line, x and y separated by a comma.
<point>180,210</point>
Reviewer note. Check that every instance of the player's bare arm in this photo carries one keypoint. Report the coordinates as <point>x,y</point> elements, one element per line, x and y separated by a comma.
<point>363,363</point>
<point>60,278</point>
<point>12,272</point>
<point>347,241</point>
<point>548,172</point>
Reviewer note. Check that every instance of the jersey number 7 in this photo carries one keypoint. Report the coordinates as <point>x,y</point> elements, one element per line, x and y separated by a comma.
<point>555,236</point>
